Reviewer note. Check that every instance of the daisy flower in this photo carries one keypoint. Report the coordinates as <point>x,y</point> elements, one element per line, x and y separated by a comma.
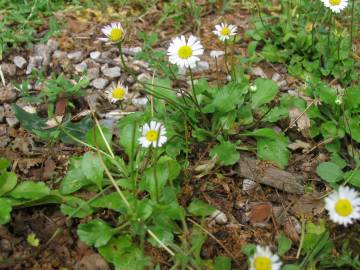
<point>224,31</point>
<point>113,32</point>
<point>263,259</point>
<point>117,93</point>
<point>343,206</point>
<point>336,5</point>
<point>185,53</point>
<point>154,134</point>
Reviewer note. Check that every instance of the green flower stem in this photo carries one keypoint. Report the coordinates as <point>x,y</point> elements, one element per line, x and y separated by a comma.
<point>329,33</point>
<point>352,23</point>
<point>155,176</point>
<point>122,57</point>
<point>132,157</point>
<point>226,57</point>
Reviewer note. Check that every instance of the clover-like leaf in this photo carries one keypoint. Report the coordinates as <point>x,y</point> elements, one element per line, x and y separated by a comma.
<point>96,233</point>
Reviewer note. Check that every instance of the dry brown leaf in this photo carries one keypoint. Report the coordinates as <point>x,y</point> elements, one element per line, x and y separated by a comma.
<point>300,120</point>
<point>260,213</point>
<point>308,205</point>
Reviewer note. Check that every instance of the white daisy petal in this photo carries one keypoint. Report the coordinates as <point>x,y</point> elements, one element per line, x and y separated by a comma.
<point>225,31</point>
<point>336,6</point>
<point>153,134</point>
<point>114,33</point>
<point>264,259</point>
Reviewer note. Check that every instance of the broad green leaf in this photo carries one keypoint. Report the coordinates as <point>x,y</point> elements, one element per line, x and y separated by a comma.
<point>200,208</point>
<point>111,201</point>
<point>116,247</point>
<point>266,92</point>
<point>163,234</point>
<point>291,267</point>
<point>249,249</point>
<point>96,233</point>
<point>330,172</point>
<point>273,150</point>
<point>352,97</point>
<point>223,263</point>
<point>30,190</point>
<point>94,138</point>
<point>76,207</point>
<point>326,94</point>
<point>8,181</point>
<point>4,164</point>
<point>226,99</point>
<point>284,244</point>
<point>226,153</point>
<point>92,169</point>
<point>354,177</point>
<point>129,135</point>
<point>5,211</point>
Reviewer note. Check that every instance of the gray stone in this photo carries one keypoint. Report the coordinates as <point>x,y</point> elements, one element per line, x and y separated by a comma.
<point>202,66</point>
<point>137,87</point>
<point>100,83</point>
<point>276,77</point>
<point>12,121</point>
<point>81,67</point>
<point>216,54</point>
<point>143,77</point>
<point>43,51</point>
<point>95,55</point>
<point>139,102</point>
<point>76,56</point>
<point>52,44</point>
<point>59,54</point>
<point>92,262</point>
<point>93,73</point>
<point>19,61</point>
<point>132,51</point>
<point>219,217</point>
<point>141,64</point>
<point>282,84</point>
<point>34,62</point>
<point>8,69</point>
<point>2,114</point>
<point>7,94</point>
<point>259,72</point>
<point>112,72</point>
<point>248,184</point>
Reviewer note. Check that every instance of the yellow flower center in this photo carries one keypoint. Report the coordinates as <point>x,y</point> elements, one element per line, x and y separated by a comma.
<point>343,207</point>
<point>225,31</point>
<point>185,52</point>
<point>115,34</point>
<point>335,2</point>
<point>118,93</point>
<point>262,263</point>
<point>152,135</point>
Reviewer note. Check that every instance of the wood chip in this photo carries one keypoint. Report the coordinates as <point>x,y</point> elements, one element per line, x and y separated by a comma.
<point>263,173</point>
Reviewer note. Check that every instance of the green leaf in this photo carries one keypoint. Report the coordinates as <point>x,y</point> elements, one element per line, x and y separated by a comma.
<point>76,207</point>
<point>5,211</point>
<point>4,164</point>
<point>200,208</point>
<point>94,138</point>
<point>163,234</point>
<point>273,150</point>
<point>116,247</point>
<point>354,177</point>
<point>330,172</point>
<point>226,99</point>
<point>284,244</point>
<point>8,181</point>
<point>129,135</point>
<point>266,92</point>
<point>92,169</point>
<point>249,249</point>
<point>226,153</point>
<point>30,190</point>
<point>111,201</point>
<point>291,267</point>
<point>222,263</point>
<point>96,233</point>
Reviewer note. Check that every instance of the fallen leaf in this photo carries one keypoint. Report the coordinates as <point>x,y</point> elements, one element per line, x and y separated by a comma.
<point>301,120</point>
<point>260,213</point>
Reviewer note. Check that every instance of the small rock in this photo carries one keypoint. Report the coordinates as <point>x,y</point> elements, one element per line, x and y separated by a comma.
<point>43,51</point>
<point>8,69</point>
<point>7,94</point>
<point>95,55</point>
<point>276,77</point>
<point>93,73</point>
<point>92,262</point>
<point>139,102</point>
<point>59,54</point>
<point>140,63</point>
<point>144,77</point>
<point>132,51</point>
<point>219,217</point>
<point>259,72</point>
<point>2,114</point>
<point>282,84</point>
<point>19,61</point>
<point>76,56</point>
<point>100,83</point>
<point>34,62</point>
<point>216,54</point>
<point>52,44</point>
<point>202,66</point>
<point>248,184</point>
<point>81,67</point>
<point>113,72</point>
<point>12,121</point>
<point>137,87</point>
